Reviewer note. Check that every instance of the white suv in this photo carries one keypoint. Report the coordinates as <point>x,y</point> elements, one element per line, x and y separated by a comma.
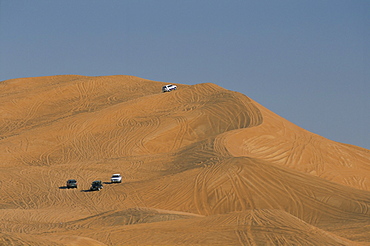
<point>168,88</point>
<point>116,178</point>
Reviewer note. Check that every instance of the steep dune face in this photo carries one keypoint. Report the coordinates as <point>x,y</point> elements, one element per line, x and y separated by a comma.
<point>286,144</point>
<point>244,184</point>
<point>200,165</point>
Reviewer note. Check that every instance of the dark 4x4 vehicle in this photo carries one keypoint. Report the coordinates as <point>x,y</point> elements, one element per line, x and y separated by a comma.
<point>96,185</point>
<point>71,183</point>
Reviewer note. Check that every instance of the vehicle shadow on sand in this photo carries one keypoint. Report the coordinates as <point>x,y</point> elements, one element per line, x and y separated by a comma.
<point>87,190</point>
<point>63,187</point>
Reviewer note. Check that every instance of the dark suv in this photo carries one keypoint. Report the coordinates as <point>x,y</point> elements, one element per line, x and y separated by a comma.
<point>71,183</point>
<point>96,185</point>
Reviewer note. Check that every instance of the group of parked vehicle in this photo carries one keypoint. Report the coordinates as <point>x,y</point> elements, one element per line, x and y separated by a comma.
<point>95,185</point>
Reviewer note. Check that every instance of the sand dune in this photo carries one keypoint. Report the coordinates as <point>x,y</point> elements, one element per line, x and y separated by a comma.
<point>200,165</point>
<point>284,143</point>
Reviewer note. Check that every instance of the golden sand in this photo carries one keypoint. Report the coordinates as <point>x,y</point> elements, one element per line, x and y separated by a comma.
<point>201,165</point>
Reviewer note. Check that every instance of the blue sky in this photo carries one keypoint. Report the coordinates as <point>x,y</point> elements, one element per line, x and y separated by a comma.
<point>308,61</point>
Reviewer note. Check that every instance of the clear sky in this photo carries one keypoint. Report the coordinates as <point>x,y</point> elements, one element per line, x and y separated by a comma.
<point>306,60</point>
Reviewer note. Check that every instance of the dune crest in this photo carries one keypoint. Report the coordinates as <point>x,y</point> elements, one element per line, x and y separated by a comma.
<point>286,144</point>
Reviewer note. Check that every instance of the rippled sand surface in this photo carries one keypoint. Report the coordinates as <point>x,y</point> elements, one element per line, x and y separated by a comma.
<point>201,165</point>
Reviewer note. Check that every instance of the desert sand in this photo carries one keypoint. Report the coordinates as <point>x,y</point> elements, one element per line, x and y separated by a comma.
<point>201,165</point>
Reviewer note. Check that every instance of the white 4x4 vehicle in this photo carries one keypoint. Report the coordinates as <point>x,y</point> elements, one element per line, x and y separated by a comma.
<point>116,178</point>
<point>168,88</point>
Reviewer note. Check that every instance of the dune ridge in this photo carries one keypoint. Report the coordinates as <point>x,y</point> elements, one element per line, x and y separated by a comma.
<point>201,165</point>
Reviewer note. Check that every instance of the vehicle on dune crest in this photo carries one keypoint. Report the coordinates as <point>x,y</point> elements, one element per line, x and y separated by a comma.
<point>168,88</point>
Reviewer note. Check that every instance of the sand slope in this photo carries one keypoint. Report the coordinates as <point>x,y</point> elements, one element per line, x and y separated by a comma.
<point>201,165</point>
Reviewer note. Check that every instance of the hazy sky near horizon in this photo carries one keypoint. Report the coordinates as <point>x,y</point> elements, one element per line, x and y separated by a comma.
<point>308,61</point>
